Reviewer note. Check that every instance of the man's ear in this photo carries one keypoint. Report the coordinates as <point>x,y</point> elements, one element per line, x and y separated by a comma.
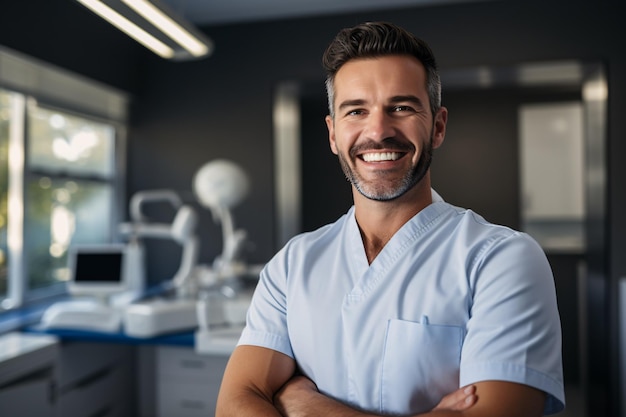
<point>330,124</point>
<point>439,127</point>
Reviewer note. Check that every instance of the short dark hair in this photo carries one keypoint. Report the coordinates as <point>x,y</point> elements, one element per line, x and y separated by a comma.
<point>374,39</point>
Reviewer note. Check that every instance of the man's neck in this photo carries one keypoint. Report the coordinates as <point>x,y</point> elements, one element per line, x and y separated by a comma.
<point>379,220</point>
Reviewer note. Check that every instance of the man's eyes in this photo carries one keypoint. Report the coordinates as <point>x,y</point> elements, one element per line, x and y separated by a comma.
<point>401,108</point>
<point>392,109</point>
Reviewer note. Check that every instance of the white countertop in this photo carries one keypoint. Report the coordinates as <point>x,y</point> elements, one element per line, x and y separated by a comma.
<point>220,341</point>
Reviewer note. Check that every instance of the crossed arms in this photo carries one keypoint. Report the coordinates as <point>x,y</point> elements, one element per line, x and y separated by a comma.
<point>260,382</point>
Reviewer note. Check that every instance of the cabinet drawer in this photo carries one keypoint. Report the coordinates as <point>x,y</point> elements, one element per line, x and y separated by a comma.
<point>79,360</point>
<point>176,399</point>
<point>107,393</point>
<point>27,399</point>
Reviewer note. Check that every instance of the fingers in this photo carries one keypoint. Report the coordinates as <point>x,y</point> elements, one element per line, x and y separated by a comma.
<point>459,400</point>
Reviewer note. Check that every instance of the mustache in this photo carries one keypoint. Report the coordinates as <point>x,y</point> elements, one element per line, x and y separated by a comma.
<point>391,144</point>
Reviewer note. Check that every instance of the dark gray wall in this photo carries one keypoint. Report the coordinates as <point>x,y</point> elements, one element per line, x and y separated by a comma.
<point>68,35</point>
<point>184,114</point>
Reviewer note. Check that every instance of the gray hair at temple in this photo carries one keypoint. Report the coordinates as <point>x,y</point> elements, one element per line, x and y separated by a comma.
<point>375,39</point>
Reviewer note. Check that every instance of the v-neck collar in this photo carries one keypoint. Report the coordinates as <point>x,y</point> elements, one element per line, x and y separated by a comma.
<point>366,275</point>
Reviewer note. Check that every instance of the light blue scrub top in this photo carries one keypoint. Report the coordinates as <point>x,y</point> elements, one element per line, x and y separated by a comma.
<point>450,300</point>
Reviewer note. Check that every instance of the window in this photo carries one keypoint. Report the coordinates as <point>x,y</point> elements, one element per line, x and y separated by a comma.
<point>6,101</point>
<point>69,190</point>
<point>552,171</point>
<point>61,175</point>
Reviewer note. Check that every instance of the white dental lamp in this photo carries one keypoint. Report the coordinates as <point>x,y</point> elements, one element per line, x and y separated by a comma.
<point>220,185</point>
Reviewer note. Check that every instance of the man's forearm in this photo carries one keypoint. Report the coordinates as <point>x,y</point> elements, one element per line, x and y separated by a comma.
<point>252,377</point>
<point>247,404</point>
<point>314,404</point>
<point>300,398</point>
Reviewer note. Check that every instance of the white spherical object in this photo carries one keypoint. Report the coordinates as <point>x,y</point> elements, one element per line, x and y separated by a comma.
<point>220,183</point>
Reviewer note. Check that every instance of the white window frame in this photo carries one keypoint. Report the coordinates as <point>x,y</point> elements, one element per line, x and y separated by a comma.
<point>31,79</point>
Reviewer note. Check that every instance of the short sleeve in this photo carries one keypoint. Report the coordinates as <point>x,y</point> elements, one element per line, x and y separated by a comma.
<point>514,332</point>
<point>266,320</point>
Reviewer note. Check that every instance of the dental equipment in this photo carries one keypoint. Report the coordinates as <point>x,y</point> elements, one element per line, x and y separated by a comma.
<point>164,314</point>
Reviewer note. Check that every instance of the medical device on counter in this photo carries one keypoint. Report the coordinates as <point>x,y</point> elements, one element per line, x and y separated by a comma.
<point>198,297</point>
<point>220,185</point>
<point>174,311</point>
<point>181,230</point>
<point>103,280</point>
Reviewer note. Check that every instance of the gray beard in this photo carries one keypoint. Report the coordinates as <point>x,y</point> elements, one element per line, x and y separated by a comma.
<point>411,178</point>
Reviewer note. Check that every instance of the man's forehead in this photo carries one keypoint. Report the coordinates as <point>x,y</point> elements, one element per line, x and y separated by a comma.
<point>394,75</point>
<point>390,59</point>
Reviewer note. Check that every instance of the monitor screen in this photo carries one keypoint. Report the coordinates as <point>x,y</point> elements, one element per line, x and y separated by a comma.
<point>94,267</point>
<point>97,269</point>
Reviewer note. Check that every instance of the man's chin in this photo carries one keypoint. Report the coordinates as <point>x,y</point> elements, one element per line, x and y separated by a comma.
<point>383,193</point>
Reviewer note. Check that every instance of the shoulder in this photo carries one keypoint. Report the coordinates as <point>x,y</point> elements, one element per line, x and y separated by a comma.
<point>473,226</point>
<point>483,241</point>
<point>320,236</point>
<point>306,244</point>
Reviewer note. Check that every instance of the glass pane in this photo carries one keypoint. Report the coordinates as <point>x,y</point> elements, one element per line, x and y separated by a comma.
<point>552,174</point>
<point>5,118</point>
<point>60,213</point>
<point>60,142</point>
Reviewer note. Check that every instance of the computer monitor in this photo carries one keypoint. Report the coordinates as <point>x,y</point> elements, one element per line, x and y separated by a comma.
<point>98,270</point>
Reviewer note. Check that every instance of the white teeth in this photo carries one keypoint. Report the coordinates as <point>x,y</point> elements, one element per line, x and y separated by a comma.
<point>382,156</point>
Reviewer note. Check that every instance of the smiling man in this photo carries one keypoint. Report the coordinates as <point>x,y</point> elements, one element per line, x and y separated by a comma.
<point>406,305</point>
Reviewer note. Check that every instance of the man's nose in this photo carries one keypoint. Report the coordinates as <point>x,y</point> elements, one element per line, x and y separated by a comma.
<point>379,125</point>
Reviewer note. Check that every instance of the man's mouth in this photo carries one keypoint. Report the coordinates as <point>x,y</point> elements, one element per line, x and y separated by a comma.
<point>381,156</point>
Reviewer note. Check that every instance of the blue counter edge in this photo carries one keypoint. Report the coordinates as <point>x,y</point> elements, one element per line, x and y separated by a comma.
<point>176,339</point>
<point>26,320</point>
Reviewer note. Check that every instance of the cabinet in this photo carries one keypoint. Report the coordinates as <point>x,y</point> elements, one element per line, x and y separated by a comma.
<point>66,376</point>
<point>187,382</point>
<point>95,379</point>
<point>27,368</point>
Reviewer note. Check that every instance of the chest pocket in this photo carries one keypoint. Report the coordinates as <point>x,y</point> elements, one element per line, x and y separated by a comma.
<point>420,365</point>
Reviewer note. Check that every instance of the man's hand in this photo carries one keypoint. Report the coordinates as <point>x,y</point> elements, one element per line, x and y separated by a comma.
<point>459,400</point>
<point>300,395</point>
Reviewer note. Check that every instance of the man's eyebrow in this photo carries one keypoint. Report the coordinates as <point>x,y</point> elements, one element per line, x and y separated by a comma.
<point>350,103</point>
<point>393,100</point>
<point>408,98</point>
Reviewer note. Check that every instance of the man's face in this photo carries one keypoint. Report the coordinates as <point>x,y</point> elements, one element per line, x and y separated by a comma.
<point>383,131</point>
